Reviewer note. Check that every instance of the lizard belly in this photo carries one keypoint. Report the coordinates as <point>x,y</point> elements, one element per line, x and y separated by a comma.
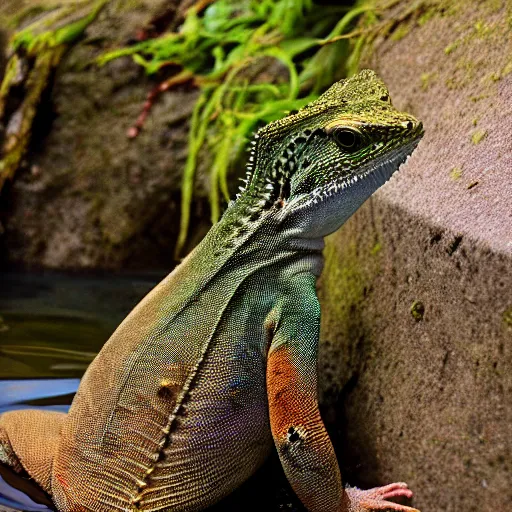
<point>165,455</point>
<point>219,438</point>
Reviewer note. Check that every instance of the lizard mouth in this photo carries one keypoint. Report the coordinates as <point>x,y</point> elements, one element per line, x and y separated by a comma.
<point>381,169</point>
<point>373,174</point>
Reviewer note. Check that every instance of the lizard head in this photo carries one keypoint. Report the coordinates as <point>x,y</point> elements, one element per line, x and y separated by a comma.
<point>320,164</point>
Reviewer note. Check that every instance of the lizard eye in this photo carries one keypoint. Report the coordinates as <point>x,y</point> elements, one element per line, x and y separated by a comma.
<point>348,139</point>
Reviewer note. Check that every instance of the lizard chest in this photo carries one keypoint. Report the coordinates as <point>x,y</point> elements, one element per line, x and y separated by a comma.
<point>216,432</point>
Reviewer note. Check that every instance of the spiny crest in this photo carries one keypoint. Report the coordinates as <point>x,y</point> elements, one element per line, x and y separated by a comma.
<point>273,184</point>
<point>250,165</point>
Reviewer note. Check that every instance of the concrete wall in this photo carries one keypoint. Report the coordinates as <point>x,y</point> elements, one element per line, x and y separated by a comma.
<point>416,358</point>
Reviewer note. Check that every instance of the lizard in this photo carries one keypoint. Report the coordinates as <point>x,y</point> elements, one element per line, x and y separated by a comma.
<point>217,365</point>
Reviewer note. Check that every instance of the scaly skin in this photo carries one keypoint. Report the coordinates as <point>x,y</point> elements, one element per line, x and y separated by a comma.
<point>182,403</point>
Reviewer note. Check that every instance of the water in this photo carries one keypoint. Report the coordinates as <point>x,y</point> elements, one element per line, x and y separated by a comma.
<point>53,324</point>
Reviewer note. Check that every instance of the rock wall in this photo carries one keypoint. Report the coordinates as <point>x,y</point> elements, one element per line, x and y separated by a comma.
<point>88,196</point>
<point>416,357</point>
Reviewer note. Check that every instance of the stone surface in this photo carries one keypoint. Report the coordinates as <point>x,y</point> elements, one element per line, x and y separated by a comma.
<point>416,358</point>
<point>459,83</point>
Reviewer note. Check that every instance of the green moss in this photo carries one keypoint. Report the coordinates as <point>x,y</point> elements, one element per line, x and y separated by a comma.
<point>346,279</point>
<point>16,143</point>
<point>494,5</point>
<point>45,47</point>
<point>478,136</point>
<point>456,173</point>
<point>507,317</point>
<point>507,69</point>
<point>501,73</point>
<point>346,283</point>
<point>427,79</point>
<point>479,97</point>
<point>464,73</point>
<point>482,30</point>
<point>34,38</point>
<point>393,20</point>
<point>12,71</point>
<point>426,16</point>
<point>452,47</point>
<point>400,32</point>
<point>376,248</point>
<point>417,310</point>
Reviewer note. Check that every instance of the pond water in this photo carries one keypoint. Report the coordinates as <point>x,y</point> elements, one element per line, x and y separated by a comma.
<point>53,324</point>
<point>51,327</point>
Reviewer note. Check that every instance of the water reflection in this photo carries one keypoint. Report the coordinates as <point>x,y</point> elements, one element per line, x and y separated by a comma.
<point>53,324</point>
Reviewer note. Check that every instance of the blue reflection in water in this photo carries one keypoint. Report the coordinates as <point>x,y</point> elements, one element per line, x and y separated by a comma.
<point>11,497</point>
<point>18,391</point>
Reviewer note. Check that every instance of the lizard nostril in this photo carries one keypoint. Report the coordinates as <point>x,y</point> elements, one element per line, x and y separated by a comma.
<point>409,125</point>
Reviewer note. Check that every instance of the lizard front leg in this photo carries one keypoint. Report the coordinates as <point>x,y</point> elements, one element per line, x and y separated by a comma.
<point>304,447</point>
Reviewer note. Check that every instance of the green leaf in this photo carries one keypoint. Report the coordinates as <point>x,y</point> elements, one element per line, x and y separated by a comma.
<point>294,47</point>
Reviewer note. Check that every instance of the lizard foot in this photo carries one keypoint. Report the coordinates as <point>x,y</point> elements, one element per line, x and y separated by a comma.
<point>374,500</point>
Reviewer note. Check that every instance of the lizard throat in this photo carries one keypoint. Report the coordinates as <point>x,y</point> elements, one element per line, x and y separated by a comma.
<point>371,176</point>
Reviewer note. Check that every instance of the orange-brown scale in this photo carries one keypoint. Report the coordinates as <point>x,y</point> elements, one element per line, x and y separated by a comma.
<point>289,405</point>
<point>299,432</point>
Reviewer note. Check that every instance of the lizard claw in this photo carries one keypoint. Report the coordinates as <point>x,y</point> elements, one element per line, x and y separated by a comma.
<point>374,500</point>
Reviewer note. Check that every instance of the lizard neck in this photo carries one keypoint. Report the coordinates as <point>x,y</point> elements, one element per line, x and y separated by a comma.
<point>248,236</point>
<point>243,242</point>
